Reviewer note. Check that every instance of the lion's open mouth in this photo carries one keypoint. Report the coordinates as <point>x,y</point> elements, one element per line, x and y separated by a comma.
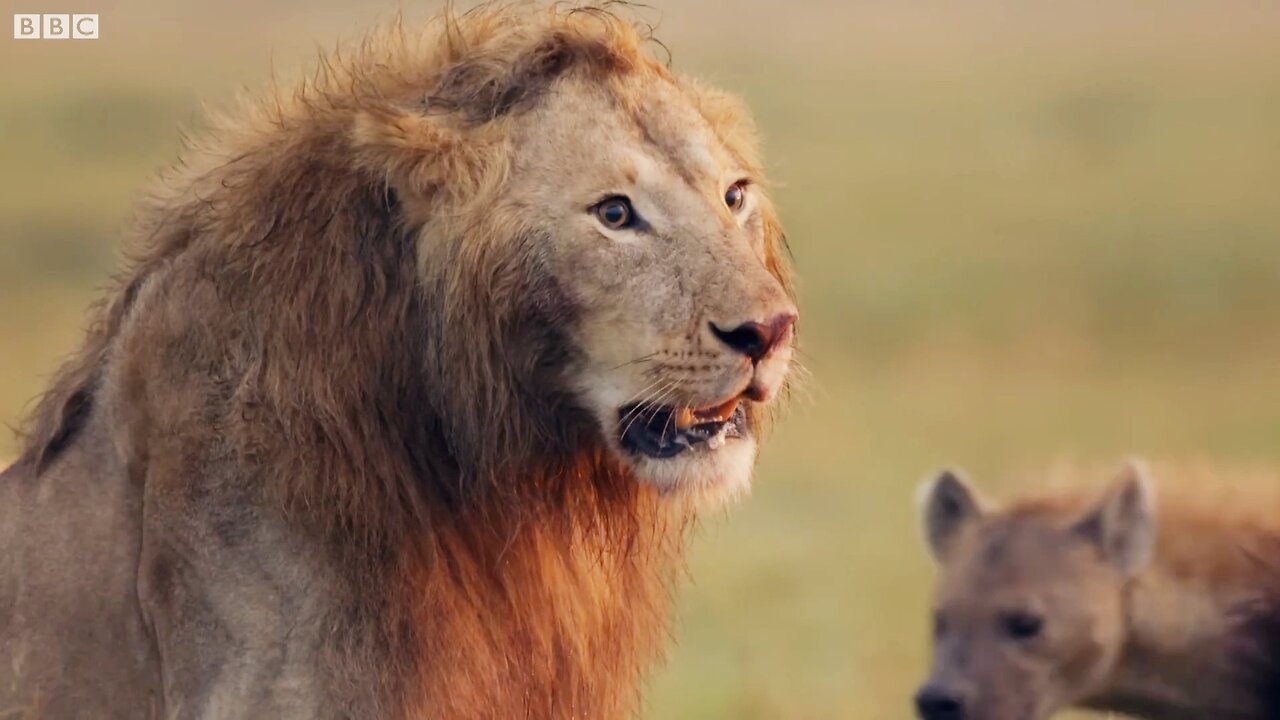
<point>664,432</point>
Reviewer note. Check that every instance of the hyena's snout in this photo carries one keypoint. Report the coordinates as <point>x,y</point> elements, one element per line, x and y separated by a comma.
<point>936,701</point>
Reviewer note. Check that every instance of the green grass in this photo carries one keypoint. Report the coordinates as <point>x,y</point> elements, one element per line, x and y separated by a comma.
<point>1019,236</point>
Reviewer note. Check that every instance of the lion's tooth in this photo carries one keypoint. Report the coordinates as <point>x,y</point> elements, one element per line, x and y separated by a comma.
<point>728,409</point>
<point>685,418</point>
<point>718,413</point>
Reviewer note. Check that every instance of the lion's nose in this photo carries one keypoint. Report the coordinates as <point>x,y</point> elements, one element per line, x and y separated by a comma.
<point>935,703</point>
<point>756,339</point>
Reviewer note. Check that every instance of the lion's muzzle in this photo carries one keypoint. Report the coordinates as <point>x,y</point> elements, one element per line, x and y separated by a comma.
<point>661,432</point>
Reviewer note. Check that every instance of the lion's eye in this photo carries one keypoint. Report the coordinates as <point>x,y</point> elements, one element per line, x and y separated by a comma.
<point>1021,625</point>
<point>736,196</point>
<point>615,213</point>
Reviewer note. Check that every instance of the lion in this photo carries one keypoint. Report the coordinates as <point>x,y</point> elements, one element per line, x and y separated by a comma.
<point>1106,600</point>
<point>403,407</point>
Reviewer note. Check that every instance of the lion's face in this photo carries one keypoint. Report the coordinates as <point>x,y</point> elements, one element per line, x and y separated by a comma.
<point>656,232</point>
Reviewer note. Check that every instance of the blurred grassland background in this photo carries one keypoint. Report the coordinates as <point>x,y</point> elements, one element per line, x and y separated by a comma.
<point>1025,231</point>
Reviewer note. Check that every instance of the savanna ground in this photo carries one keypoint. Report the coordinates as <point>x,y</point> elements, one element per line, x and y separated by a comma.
<point>1025,232</point>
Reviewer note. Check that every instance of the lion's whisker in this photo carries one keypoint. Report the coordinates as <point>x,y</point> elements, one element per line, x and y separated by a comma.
<point>801,385</point>
<point>654,401</point>
<point>667,424</point>
<point>638,407</point>
<point>651,399</point>
<point>659,400</point>
<point>642,358</point>
<point>635,396</point>
<point>634,400</point>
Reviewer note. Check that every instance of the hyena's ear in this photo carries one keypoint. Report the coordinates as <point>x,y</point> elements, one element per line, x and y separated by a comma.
<point>946,505</point>
<point>1123,524</point>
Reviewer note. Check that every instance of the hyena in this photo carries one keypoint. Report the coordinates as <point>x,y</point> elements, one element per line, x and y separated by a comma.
<point>1072,600</point>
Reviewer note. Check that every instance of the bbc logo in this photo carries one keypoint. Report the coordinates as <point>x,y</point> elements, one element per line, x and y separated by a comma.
<point>53,26</point>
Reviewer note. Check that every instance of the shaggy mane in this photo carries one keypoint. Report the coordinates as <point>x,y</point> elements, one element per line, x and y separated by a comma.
<point>478,530</point>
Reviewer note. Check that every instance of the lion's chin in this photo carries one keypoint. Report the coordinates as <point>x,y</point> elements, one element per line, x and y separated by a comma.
<point>703,474</point>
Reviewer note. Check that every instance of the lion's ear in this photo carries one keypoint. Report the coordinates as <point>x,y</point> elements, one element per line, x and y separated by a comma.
<point>449,138</point>
<point>420,153</point>
<point>728,117</point>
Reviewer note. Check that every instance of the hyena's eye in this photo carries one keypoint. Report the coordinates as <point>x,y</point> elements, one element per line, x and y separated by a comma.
<point>1021,625</point>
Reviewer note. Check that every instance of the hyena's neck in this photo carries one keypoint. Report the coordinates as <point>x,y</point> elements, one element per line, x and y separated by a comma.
<point>1200,643</point>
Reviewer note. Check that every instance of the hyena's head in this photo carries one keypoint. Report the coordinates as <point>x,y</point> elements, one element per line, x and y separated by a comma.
<point>1029,605</point>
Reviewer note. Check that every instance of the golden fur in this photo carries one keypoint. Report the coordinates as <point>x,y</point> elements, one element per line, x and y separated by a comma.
<point>324,314</point>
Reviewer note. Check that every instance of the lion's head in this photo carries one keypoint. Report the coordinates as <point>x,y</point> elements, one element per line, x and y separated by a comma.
<point>611,221</point>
